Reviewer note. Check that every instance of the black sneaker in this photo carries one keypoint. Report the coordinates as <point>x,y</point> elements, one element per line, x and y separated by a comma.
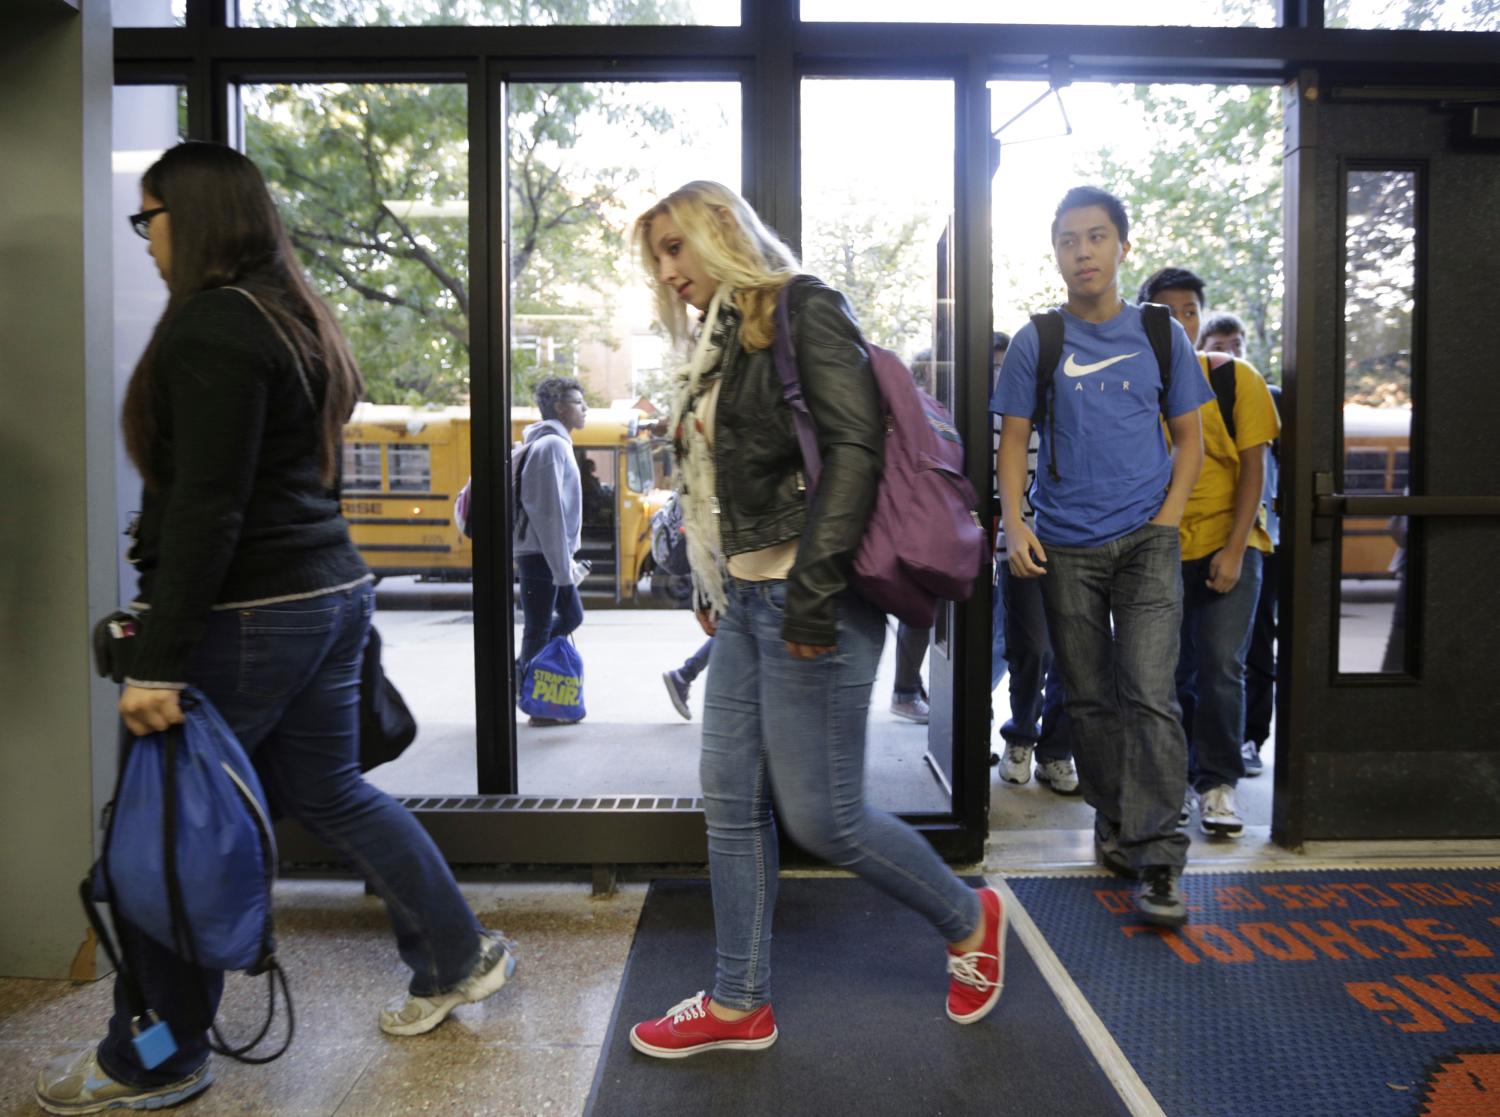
<point>1250,753</point>
<point>1158,899</point>
<point>1108,853</point>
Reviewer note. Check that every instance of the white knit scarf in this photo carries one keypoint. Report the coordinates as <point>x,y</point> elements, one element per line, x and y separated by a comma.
<point>695,465</point>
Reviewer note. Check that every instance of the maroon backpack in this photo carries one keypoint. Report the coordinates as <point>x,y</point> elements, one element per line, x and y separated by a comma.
<point>924,541</point>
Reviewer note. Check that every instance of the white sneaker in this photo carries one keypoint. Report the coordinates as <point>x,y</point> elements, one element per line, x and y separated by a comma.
<point>1015,765</point>
<point>1059,775</point>
<point>1217,814</point>
<point>411,1015</point>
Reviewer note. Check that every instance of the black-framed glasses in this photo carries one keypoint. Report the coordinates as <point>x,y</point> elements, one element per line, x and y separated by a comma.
<point>141,222</point>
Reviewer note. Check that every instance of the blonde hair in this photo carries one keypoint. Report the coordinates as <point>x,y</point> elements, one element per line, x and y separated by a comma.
<point>734,246</point>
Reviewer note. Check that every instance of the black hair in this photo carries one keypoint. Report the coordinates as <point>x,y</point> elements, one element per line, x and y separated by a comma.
<point>1170,279</point>
<point>1081,196</point>
<point>1222,324</point>
<point>549,394</point>
<point>226,232</point>
<point>999,340</point>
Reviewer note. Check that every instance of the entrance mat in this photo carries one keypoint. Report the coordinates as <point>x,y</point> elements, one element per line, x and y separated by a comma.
<point>859,987</point>
<point>1339,993</point>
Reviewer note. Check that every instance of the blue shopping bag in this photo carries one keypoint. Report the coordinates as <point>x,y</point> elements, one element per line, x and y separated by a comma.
<point>552,686</point>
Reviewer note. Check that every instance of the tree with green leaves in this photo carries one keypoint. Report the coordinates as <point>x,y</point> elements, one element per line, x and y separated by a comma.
<point>1208,199</point>
<point>1206,195</point>
<point>875,257</point>
<point>373,184</point>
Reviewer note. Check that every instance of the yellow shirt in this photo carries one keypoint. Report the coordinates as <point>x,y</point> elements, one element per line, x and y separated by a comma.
<point>1209,517</point>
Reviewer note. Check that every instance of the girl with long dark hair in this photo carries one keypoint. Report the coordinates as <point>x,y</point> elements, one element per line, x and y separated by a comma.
<point>795,651</point>
<point>251,591</point>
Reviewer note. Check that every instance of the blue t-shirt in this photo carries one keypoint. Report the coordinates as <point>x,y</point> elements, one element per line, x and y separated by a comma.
<point>1113,466</point>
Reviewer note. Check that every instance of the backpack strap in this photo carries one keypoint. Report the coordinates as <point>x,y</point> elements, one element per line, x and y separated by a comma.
<point>791,390</point>
<point>522,519</point>
<point>1221,375</point>
<point>1049,332</point>
<point>1157,321</point>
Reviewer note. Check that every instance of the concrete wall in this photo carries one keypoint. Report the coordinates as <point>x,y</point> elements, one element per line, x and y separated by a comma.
<point>57,438</point>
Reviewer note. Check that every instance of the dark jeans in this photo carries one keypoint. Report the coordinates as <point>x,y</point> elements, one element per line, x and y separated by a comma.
<point>693,666</point>
<point>1036,690</point>
<point>285,678</point>
<point>548,610</point>
<point>1260,661</point>
<point>1211,670</point>
<point>1114,613</point>
<point>911,650</point>
<point>794,729</point>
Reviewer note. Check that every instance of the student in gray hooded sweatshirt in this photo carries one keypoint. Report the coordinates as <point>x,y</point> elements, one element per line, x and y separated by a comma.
<point>549,521</point>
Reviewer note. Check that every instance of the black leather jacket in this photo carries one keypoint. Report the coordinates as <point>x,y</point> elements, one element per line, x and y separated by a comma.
<point>762,499</point>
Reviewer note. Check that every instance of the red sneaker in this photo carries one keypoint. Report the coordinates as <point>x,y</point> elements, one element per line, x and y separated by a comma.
<point>689,1028</point>
<point>979,975</point>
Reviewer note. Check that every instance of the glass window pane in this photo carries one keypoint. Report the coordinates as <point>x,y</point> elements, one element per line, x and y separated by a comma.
<point>482,13</point>
<point>1406,15</point>
<point>410,468</point>
<point>147,119</point>
<point>1187,13</point>
<point>362,467</point>
<point>372,184</point>
<point>149,13</point>
<point>885,241</point>
<point>1163,150</point>
<point>584,161</point>
<point>1380,246</point>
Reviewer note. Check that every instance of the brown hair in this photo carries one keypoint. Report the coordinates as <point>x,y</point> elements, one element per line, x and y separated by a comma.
<point>225,232</point>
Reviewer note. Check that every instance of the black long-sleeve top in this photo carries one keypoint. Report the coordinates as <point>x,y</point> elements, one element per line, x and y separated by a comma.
<point>240,514</point>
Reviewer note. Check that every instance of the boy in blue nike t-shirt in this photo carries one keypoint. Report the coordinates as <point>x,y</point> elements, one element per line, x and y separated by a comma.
<point>1108,496</point>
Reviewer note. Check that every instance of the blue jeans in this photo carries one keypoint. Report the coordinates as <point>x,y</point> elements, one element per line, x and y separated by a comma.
<point>1260,660</point>
<point>911,650</point>
<point>285,678</point>
<point>1216,629</point>
<point>998,634</point>
<point>796,729</point>
<point>1036,691</point>
<point>1114,613</point>
<point>693,666</point>
<point>547,609</point>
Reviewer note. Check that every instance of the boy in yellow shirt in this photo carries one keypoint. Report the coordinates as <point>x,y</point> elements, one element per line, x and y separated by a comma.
<point>1224,542</point>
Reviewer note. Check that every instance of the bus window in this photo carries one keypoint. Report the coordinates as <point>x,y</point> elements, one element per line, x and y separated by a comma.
<point>596,472</point>
<point>411,469</point>
<point>638,468</point>
<point>362,467</point>
<point>1365,471</point>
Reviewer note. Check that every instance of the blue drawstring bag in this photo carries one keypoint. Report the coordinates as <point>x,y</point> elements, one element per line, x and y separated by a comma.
<point>189,858</point>
<point>552,686</point>
<point>193,792</point>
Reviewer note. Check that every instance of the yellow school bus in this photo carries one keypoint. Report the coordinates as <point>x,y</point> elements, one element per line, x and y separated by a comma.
<point>404,467</point>
<point>1377,457</point>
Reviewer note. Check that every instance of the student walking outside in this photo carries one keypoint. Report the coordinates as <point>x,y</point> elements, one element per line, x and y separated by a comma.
<point>548,528</point>
<point>251,591</point>
<point>795,651</point>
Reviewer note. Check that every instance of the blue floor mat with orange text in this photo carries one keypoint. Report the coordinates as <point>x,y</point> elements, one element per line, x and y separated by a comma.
<point>1318,993</point>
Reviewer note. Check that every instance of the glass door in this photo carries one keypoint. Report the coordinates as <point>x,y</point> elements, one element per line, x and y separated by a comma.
<point>1395,509</point>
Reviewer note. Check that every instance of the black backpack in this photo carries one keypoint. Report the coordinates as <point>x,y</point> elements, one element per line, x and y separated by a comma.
<point>1157,321</point>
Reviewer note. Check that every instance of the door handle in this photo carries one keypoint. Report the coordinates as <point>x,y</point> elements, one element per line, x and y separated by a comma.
<point>1329,505</point>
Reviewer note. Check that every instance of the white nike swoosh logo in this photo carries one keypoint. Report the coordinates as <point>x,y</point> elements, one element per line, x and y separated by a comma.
<point>1072,368</point>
